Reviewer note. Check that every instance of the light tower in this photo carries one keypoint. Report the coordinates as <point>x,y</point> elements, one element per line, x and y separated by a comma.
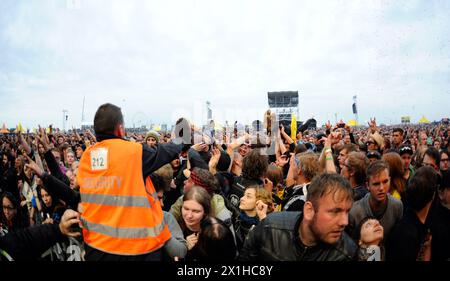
<point>355,109</point>
<point>208,112</point>
<point>65,118</point>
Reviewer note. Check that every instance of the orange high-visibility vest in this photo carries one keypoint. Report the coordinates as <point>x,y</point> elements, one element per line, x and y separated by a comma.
<point>121,214</point>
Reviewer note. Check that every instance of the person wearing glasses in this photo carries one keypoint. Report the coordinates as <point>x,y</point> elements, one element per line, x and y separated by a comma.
<point>11,216</point>
<point>444,163</point>
<point>431,158</point>
<point>375,142</point>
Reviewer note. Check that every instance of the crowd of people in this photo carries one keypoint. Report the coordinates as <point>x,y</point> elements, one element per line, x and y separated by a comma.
<point>333,193</point>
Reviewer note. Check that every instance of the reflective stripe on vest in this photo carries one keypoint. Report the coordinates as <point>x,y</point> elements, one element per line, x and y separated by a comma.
<point>121,211</point>
<point>116,200</point>
<point>123,232</point>
<point>155,196</point>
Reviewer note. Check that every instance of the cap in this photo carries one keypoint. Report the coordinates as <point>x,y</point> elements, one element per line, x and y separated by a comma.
<point>406,149</point>
<point>373,154</point>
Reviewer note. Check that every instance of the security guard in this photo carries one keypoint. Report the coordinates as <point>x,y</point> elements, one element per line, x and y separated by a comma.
<point>121,214</point>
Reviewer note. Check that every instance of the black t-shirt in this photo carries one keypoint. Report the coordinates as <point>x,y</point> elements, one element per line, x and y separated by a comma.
<point>405,240</point>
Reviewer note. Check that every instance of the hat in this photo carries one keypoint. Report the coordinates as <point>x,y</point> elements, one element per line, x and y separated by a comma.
<point>378,139</point>
<point>373,154</point>
<point>320,136</point>
<point>405,149</point>
<point>154,135</point>
<point>199,181</point>
<point>224,161</point>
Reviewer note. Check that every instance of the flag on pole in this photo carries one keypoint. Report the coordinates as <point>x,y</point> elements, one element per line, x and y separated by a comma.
<point>20,128</point>
<point>293,127</point>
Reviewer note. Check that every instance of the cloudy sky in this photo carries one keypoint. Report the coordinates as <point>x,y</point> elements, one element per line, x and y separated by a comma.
<point>159,60</point>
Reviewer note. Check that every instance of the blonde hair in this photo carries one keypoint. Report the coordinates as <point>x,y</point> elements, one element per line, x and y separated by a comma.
<point>265,196</point>
<point>309,164</point>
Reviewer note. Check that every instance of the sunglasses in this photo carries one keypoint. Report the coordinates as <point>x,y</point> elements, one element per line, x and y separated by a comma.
<point>405,149</point>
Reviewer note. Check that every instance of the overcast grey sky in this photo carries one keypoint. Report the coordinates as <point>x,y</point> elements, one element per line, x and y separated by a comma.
<point>159,60</point>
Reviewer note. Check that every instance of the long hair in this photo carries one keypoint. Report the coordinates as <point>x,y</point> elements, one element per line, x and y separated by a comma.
<point>215,241</point>
<point>202,197</point>
<point>395,164</point>
<point>55,207</point>
<point>20,220</point>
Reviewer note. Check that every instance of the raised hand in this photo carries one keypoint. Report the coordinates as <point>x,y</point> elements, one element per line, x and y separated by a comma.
<point>33,166</point>
<point>199,146</point>
<point>332,139</point>
<point>215,156</point>
<point>373,125</point>
<point>43,138</point>
<point>261,209</point>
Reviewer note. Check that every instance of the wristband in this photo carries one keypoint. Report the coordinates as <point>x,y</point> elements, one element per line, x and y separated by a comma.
<point>328,158</point>
<point>328,150</point>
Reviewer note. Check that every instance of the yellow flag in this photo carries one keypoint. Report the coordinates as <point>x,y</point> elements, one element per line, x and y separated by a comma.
<point>20,128</point>
<point>156,128</point>
<point>293,128</point>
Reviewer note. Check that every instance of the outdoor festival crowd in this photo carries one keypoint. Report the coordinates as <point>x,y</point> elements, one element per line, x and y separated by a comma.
<point>263,192</point>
